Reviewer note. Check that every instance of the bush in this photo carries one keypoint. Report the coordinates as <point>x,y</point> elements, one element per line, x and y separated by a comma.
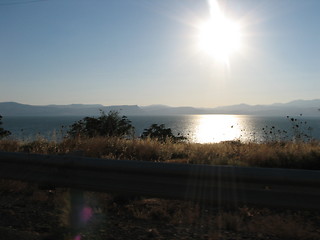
<point>3,133</point>
<point>161,133</point>
<point>111,125</point>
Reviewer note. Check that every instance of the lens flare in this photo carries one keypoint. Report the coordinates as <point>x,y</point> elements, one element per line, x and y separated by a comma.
<point>86,214</point>
<point>78,237</point>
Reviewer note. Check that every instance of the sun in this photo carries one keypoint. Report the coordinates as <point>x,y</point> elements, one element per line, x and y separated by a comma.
<point>219,37</point>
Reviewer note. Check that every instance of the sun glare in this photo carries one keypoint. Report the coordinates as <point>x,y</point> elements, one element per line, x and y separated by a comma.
<point>217,128</point>
<point>219,36</point>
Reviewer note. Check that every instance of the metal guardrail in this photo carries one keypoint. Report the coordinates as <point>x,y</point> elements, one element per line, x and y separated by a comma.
<point>221,185</point>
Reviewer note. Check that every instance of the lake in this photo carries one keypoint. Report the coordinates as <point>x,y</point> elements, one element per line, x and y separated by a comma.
<point>197,128</point>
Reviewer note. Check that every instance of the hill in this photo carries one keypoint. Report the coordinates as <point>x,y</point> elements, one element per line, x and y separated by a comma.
<point>18,109</point>
<point>293,108</point>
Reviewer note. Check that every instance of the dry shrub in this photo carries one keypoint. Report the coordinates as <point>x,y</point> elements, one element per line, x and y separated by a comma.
<point>39,146</point>
<point>9,145</point>
<point>100,146</point>
<point>202,153</point>
<point>149,209</point>
<point>224,153</point>
<point>171,211</point>
<point>229,221</point>
<point>147,150</point>
<point>152,150</point>
<point>119,148</point>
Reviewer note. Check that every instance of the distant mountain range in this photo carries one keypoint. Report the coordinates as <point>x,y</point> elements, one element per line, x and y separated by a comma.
<point>294,108</point>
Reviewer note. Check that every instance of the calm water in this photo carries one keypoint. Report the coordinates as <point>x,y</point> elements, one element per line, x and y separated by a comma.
<point>198,128</point>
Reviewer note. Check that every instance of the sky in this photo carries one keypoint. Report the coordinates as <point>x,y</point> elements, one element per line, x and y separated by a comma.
<point>143,52</point>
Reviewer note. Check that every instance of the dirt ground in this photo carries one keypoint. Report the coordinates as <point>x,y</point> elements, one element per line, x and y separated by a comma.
<point>30,212</point>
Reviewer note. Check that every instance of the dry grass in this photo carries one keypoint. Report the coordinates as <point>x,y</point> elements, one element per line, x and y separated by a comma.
<point>26,212</point>
<point>189,219</point>
<point>282,154</point>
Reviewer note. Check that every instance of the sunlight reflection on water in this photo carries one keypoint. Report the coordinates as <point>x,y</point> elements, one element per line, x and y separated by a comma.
<point>217,128</point>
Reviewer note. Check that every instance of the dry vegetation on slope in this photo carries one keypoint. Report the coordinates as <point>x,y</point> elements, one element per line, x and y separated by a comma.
<point>27,212</point>
<point>274,154</point>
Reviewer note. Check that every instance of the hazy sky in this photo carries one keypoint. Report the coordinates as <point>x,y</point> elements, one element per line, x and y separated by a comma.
<point>147,52</point>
